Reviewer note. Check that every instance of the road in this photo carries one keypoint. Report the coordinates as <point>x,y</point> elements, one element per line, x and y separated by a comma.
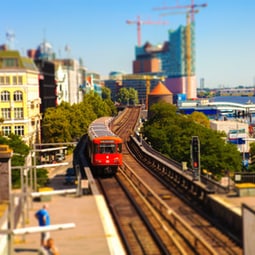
<point>57,174</point>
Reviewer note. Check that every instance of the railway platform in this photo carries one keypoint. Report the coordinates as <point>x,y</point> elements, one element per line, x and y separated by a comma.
<point>234,202</point>
<point>93,233</point>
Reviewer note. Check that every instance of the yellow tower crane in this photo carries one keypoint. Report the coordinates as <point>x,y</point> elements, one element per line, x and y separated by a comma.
<point>188,36</point>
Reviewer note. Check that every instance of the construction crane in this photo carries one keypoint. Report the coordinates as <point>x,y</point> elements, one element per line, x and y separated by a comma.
<point>192,8</point>
<point>191,11</point>
<point>140,22</point>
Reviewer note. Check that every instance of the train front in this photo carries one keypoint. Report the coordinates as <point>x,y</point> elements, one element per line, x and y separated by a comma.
<point>106,155</point>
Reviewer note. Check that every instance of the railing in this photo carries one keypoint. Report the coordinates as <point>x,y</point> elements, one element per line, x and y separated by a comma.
<point>209,182</point>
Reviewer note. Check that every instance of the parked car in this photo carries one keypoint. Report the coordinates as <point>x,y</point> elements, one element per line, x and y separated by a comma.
<point>59,157</point>
<point>70,176</point>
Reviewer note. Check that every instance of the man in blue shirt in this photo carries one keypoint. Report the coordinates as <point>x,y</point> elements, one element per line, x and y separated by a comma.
<point>43,218</point>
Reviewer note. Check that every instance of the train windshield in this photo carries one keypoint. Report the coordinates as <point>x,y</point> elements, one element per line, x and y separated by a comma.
<point>107,148</point>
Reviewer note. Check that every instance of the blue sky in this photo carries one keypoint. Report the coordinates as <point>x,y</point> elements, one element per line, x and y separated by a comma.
<point>96,31</point>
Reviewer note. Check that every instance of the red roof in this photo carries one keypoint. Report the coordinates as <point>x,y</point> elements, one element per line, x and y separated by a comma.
<point>160,89</point>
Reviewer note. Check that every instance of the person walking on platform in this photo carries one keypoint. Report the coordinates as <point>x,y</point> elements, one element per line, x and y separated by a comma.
<point>43,218</point>
<point>49,248</point>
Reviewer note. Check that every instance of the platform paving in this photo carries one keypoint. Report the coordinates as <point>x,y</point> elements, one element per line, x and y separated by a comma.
<point>235,202</point>
<point>88,237</point>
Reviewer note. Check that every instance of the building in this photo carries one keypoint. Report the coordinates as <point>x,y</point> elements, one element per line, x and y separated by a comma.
<point>159,94</point>
<point>69,80</point>
<point>142,83</point>
<point>61,80</point>
<point>175,59</point>
<point>43,57</point>
<point>93,83</point>
<point>47,84</point>
<point>151,59</point>
<point>19,96</point>
<point>237,132</point>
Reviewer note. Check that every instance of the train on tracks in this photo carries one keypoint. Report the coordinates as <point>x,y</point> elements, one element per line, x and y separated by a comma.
<point>104,148</point>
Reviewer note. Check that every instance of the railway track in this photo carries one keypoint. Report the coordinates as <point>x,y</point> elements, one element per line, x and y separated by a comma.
<point>152,217</point>
<point>182,209</point>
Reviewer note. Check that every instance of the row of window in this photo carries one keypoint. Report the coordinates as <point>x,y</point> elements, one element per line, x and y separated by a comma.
<point>6,113</point>
<point>6,96</point>
<point>11,80</point>
<point>18,130</point>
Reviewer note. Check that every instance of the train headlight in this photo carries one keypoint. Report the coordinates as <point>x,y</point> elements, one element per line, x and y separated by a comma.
<point>116,160</point>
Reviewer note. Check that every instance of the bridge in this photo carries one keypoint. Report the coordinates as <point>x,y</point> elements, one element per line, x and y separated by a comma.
<point>217,108</point>
<point>221,106</point>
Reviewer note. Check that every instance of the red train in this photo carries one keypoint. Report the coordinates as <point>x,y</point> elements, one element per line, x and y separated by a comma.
<point>104,147</point>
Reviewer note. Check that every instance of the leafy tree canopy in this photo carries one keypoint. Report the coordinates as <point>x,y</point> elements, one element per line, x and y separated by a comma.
<point>20,152</point>
<point>171,134</point>
<point>106,93</point>
<point>200,118</point>
<point>251,166</point>
<point>127,96</point>
<point>67,122</point>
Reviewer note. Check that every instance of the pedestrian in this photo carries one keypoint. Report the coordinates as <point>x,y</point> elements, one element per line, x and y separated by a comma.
<point>49,248</point>
<point>43,218</point>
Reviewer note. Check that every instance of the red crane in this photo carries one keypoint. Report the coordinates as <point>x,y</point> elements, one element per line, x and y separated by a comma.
<point>140,22</point>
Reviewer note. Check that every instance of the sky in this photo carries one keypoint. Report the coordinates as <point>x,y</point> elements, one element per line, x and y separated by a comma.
<point>97,33</point>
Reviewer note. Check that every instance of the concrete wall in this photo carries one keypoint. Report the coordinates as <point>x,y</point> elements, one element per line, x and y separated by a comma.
<point>225,215</point>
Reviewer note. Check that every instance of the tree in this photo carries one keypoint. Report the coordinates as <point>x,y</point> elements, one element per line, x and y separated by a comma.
<point>200,118</point>
<point>133,96</point>
<point>20,152</point>
<point>171,133</point>
<point>67,122</point>
<point>56,126</point>
<point>123,96</point>
<point>99,106</point>
<point>251,166</point>
<point>106,93</point>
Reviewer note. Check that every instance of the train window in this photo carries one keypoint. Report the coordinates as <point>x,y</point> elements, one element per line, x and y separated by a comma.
<point>95,148</point>
<point>107,148</point>
<point>119,148</point>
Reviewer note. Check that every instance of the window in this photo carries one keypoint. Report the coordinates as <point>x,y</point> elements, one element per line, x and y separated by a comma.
<point>119,148</point>
<point>6,130</point>
<point>1,80</point>
<point>20,80</point>
<point>7,80</point>
<point>6,113</point>
<point>4,80</point>
<point>107,148</point>
<point>95,148</point>
<point>18,113</point>
<point>18,96</point>
<point>14,80</point>
<point>9,62</point>
<point>5,96</point>
<point>19,130</point>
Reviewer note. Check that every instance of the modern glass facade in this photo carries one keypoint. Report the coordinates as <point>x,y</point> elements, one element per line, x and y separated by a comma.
<point>177,55</point>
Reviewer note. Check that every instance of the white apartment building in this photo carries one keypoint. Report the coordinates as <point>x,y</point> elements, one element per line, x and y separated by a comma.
<point>69,78</point>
